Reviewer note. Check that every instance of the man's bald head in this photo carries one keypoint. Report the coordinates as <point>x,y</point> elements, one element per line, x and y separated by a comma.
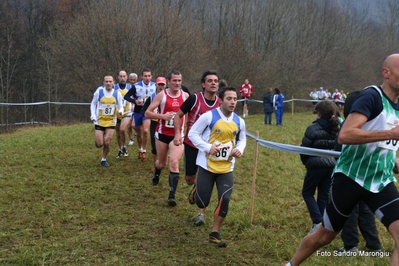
<point>391,61</point>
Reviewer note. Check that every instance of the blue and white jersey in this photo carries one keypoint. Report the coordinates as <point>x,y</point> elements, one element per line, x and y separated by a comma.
<point>144,91</point>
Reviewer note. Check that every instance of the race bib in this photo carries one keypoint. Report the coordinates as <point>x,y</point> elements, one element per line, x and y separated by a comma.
<point>389,144</point>
<point>224,152</point>
<point>170,123</point>
<point>107,109</point>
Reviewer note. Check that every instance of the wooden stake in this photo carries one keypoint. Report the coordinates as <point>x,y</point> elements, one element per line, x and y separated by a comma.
<point>254,178</point>
<point>292,105</point>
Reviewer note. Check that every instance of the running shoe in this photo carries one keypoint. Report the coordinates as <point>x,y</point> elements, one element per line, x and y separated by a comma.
<point>120,154</point>
<point>131,142</point>
<point>314,228</point>
<point>124,151</point>
<point>140,155</point>
<point>349,252</point>
<point>199,219</point>
<point>191,195</point>
<point>104,163</point>
<point>144,156</point>
<point>215,238</point>
<point>172,202</point>
<point>155,179</point>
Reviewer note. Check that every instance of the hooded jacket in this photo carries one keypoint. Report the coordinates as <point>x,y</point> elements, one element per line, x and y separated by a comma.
<point>318,136</point>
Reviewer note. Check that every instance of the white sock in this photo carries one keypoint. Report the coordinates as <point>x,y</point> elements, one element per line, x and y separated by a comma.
<point>144,150</point>
<point>288,264</point>
<point>103,159</point>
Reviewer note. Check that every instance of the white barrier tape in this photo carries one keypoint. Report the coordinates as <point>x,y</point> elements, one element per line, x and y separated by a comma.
<point>293,148</point>
<point>287,101</point>
<point>41,103</point>
<point>72,103</point>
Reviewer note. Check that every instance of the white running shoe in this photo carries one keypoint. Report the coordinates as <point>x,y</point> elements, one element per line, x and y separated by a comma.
<point>199,219</point>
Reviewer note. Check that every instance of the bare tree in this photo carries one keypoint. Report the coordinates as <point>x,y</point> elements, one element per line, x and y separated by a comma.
<point>389,17</point>
<point>9,56</point>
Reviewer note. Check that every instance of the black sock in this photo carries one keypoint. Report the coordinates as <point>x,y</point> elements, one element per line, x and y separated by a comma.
<point>157,171</point>
<point>173,181</point>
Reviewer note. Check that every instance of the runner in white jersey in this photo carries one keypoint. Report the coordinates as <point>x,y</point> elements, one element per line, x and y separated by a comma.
<point>219,135</point>
<point>364,170</point>
<point>104,108</point>
<point>140,92</point>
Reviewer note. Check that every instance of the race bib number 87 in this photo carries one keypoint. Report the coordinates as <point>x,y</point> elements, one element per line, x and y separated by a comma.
<point>107,109</point>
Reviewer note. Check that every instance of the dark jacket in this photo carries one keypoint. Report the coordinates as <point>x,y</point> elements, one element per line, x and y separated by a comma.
<point>318,136</point>
<point>268,103</point>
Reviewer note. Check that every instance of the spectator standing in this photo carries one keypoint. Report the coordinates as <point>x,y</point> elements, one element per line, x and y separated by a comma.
<point>321,134</point>
<point>343,95</point>
<point>268,106</point>
<point>278,104</point>
<point>246,91</point>
<point>336,96</point>
<point>321,94</point>
<point>314,94</point>
<point>328,95</point>
<point>222,84</point>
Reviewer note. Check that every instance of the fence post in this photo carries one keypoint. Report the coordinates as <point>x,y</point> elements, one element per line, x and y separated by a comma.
<point>254,178</point>
<point>292,105</point>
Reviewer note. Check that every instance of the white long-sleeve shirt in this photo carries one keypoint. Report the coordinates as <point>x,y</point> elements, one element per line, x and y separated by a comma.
<point>102,97</point>
<point>213,126</point>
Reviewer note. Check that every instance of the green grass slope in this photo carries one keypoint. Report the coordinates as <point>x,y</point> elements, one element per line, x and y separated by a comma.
<point>58,206</point>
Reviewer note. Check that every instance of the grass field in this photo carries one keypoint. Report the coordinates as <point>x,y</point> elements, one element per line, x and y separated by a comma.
<point>58,206</point>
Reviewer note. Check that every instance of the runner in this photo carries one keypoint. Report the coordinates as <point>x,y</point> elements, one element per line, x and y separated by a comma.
<point>123,122</point>
<point>195,106</point>
<point>104,106</point>
<point>220,137</point>
<point>140,92</point>
<point>168,103</point>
